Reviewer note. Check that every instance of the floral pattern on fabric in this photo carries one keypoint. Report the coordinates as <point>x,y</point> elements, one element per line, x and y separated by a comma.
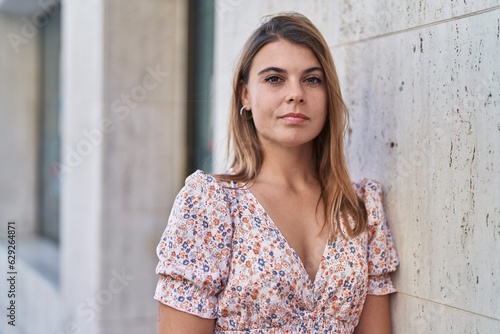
<point>222,257</point>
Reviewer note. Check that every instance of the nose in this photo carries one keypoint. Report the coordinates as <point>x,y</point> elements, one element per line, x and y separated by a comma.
<point>295,93</point>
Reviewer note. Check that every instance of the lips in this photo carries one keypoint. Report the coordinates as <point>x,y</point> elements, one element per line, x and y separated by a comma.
<point>294,118</point>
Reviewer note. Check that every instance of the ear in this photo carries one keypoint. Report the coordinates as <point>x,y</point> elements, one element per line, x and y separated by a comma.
<point>245,98</point>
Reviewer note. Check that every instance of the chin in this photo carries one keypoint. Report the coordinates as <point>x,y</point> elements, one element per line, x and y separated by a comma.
<point>298,143</point>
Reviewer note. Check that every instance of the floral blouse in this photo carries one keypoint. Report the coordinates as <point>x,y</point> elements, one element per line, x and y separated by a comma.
<point>222,257</point>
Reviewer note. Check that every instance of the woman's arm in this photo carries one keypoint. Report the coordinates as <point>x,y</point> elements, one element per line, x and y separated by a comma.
<point>172,321</point>
<point>375,317</point>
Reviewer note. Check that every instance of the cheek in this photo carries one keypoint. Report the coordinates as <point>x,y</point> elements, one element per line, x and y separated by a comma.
<point>264,101</point>
<point>260,120</point>
<point>323,105</point>
<point>321,124</point>
<point>322,109</point>
<point>264,107</point>
<point>319,102</point>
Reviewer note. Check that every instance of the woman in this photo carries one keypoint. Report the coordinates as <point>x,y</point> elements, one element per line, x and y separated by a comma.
<point>282,243</point>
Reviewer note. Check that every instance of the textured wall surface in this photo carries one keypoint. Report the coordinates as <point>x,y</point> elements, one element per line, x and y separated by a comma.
<point>426,122</point>
<point>422,82</point>
<point>124,96</point>
<point>147,52</point>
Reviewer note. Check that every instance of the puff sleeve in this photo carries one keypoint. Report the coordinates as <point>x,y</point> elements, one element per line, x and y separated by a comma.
<point>381,254</point>
<point>195,249</point>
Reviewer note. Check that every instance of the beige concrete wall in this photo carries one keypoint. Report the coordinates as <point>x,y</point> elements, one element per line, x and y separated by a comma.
<point>145,155</point>
<point>422,81</point>
<point>124,95</point>
<point>425,99</point>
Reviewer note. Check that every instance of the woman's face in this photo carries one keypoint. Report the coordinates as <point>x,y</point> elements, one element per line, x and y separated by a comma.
<point>286,93</point>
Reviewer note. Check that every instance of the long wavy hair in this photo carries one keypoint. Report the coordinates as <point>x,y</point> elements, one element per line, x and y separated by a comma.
<point>344,211</point>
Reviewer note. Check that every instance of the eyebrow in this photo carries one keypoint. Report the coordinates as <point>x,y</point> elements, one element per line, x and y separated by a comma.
<point>282,70</point>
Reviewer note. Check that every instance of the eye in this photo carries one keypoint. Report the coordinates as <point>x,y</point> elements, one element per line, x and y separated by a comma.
<point>273,79</point>
<point>313,80</point>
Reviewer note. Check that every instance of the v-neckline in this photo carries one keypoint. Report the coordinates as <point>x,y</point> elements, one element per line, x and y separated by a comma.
<point>296,256</point>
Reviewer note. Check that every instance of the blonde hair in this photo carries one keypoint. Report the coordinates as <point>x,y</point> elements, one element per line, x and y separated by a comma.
<point>337,192</point>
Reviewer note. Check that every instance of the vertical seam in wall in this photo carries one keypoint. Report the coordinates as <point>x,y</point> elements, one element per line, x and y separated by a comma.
<point>422,26</point>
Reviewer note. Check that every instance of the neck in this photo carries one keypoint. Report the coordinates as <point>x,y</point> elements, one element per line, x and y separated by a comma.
<point>290,168</point>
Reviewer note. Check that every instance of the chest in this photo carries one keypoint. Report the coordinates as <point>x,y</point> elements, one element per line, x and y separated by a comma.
<point>267,275</point>
<point>300,221</point>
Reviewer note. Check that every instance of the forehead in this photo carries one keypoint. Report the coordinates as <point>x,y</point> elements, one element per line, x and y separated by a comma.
<point>286,55</point>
